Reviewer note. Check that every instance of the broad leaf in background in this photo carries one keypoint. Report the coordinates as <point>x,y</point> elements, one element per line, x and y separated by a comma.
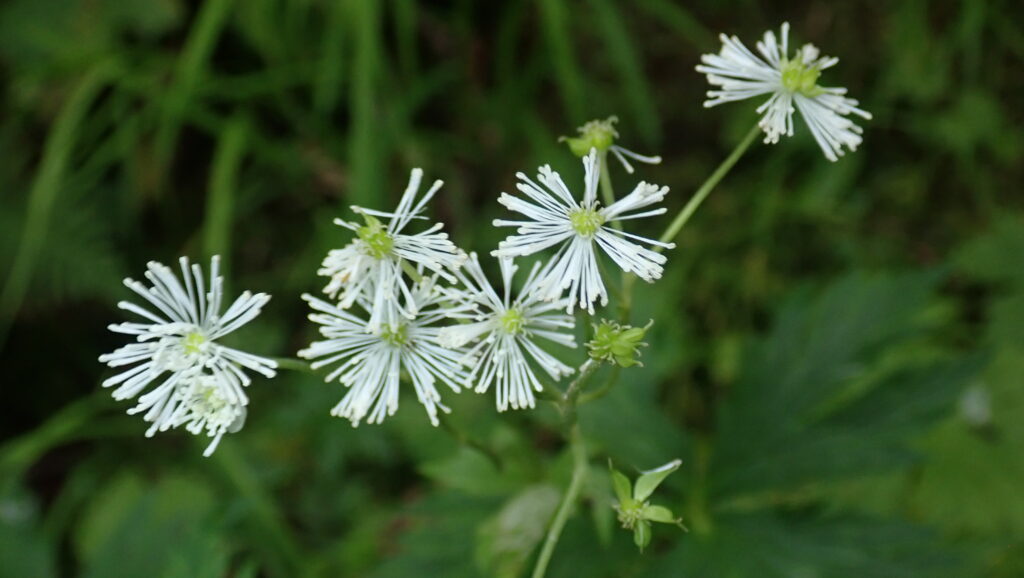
<point>136,527</point>
<point>783,424</point>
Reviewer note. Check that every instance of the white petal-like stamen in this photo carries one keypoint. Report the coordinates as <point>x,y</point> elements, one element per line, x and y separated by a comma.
<point>177,344</point>
<point>370,364</point>
<point>505,332</point>
<point>555,218</point>
<point>370,266</point>
<point>792,85</point>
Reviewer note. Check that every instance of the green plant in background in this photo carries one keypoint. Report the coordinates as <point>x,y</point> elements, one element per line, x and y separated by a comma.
<point>830,421</point>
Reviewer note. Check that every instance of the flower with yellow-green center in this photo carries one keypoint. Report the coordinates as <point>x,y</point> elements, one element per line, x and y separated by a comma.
<point>371,266</point>
<point>792,83</point>
<point>370,365</point>
<point>601,135</point>
<point>175,344</point>
<point>554,218</point>
<point>503,334</point>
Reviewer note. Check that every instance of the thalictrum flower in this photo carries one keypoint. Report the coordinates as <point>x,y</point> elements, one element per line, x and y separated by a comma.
<point>505,332</point>
<point>371,265</point>
<point>370,364</point>
<point>792,84</point>
<point>556,218</point>
<point>177,341</point>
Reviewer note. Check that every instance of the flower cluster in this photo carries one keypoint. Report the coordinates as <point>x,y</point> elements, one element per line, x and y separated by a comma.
<point>402,300</point>
<point>390,291</point>
<point>176,340</point>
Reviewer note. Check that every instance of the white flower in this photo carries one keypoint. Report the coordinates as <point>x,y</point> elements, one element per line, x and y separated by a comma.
<point>556,218</point>
<point>791,82</point>
<point>505,331</point>
<point>370,364</point>
<point>206,404</point>
<point>177,339</point>
<point>371,265</point>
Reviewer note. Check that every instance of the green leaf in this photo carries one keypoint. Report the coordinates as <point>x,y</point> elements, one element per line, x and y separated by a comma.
<point>776,546</point>
<point>995,256</point>
<point>642,535</point>
<point>621,485</point>
<point>470,471</point>
<point>818,400</point>
<point>660,514</point>
<point>651,479</point>
<point>24,548</point>
<point>134,528</point>
<point>505,542</point>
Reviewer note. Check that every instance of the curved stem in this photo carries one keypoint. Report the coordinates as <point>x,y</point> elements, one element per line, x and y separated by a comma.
<point>579,472</point>
<point>705,189</point>
<point>684,215</point>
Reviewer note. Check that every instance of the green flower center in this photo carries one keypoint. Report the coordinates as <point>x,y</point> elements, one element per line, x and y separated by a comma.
<point>586,222</point>
<point>798,77</point>
<point>378,242</point>
<point>512,321</point>
<point>192,342</point>
<point>396,335</point>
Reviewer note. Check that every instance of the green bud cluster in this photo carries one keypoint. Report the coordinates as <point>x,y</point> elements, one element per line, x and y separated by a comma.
<point>598,134</point>
<point>378,242</point>
<point>619,344</point>
<point>798,77</point>
<point>635,512</point>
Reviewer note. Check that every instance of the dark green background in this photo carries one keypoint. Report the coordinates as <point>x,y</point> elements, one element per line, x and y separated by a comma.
<point>815,331</point>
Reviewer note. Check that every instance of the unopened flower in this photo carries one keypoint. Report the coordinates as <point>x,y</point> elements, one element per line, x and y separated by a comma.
<point>176,341</point>
<point>556,218</point>
<point>506,331</point>
<point>371,265</point>
<point>635,512</point>
<point>370,364</point>
<point>618,344</point>
<point>205,404</point>
<point>792,84</point>
<point>601,135</point>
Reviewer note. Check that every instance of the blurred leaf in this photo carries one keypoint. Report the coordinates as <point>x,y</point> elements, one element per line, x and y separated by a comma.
<point>505,542</point>
<point>136,529</point>
<point>438,537</point>
<point>23,547</point>
<point>972,481</point>
<point>995,256</point>
<point>802,412</point>
<point>470,471</point>
<point>787,547</point>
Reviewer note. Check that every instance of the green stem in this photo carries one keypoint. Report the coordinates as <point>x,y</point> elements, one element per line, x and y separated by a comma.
<point>684,215</point>
<point>604,389</point>
<point>220,197</point>
<point>293,364</point>
<point>705,189</point>
<point>607,191</point>
<point>579,473</point>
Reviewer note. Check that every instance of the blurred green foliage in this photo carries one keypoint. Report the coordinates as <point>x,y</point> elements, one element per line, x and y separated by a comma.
<point>838,349</point>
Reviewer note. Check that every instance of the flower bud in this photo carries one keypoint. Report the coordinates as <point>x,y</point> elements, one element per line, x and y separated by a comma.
<point>596,134</point>
<point>619,344</point>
